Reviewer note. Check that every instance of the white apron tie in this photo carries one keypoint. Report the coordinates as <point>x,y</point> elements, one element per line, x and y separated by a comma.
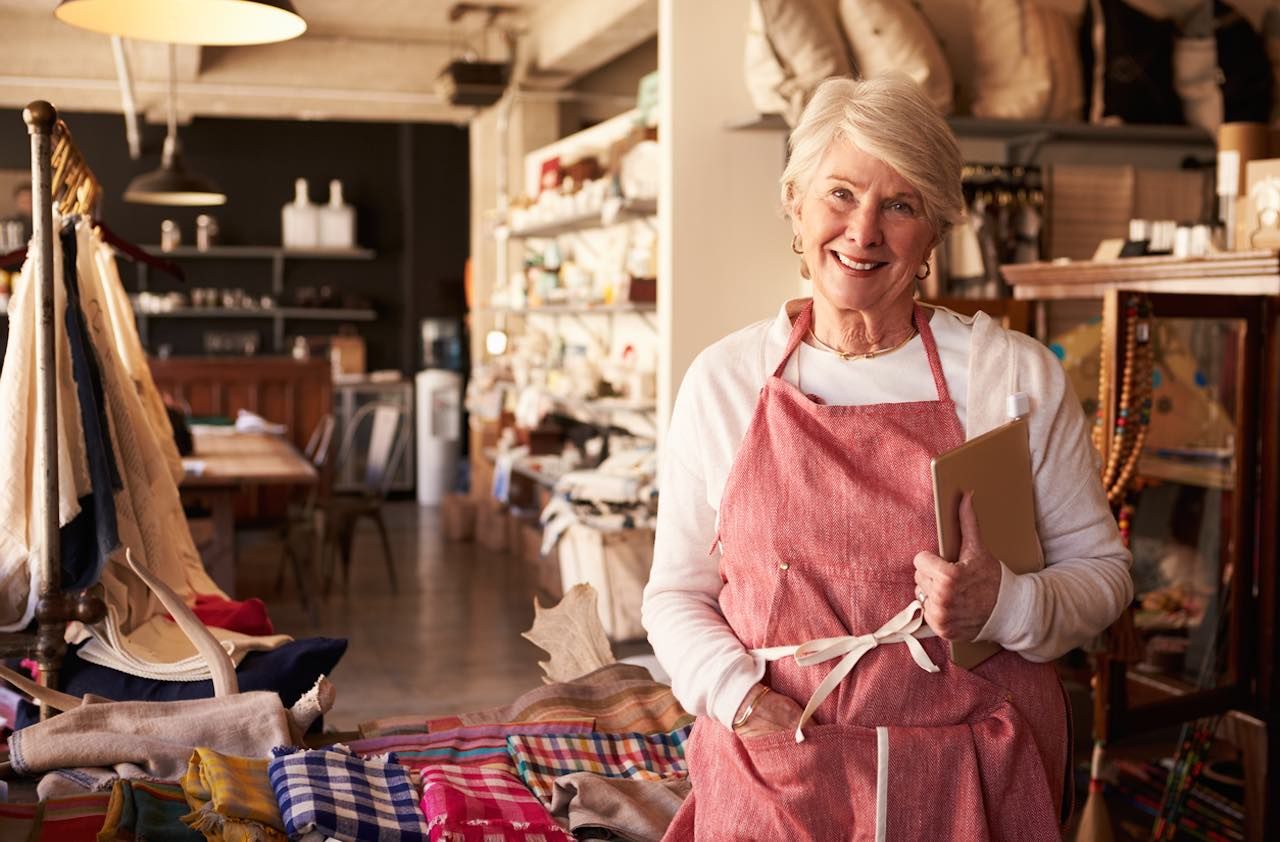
<point>907,626</point>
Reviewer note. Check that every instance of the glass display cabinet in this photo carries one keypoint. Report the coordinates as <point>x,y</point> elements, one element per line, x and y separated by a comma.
<point>1186,405</point>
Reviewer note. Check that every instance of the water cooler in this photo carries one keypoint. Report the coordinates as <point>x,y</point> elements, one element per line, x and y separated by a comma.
<point>438,390</point>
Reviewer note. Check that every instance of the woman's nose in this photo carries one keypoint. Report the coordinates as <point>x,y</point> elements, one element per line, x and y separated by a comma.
<point>863,225</point>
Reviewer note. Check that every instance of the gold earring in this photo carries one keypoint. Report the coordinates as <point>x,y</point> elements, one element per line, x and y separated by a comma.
<point>927,271</point>
<point>796,245</point>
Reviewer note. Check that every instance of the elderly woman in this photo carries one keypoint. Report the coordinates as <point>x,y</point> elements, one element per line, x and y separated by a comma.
<point>799,452</point>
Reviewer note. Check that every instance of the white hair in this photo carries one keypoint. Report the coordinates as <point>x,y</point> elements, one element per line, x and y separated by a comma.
<point>890,118</point>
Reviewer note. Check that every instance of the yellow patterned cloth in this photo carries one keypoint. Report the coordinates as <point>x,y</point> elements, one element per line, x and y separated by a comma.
<point>231,798</point>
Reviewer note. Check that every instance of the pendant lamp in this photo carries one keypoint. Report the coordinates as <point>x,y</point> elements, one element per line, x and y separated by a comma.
<point>172,184</point>
<point>211,22</point>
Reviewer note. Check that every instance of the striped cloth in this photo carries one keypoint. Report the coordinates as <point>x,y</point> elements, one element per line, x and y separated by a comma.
<point>231,796</point>
<point>620,698</point>
<point>484,805</point>
<point>473,745</point>
<point>146,810</point>
<point>647,757</point>
<point>76,818</point>
<point>347,798</point>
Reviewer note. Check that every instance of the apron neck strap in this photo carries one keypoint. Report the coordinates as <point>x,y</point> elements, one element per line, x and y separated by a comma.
<point>804,320</point>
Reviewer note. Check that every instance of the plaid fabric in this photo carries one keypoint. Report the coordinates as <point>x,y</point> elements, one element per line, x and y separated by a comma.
<point>146,810</point>
<point>474,745</point>
<point>222,789</point>
<point>346,797</point>
<point>484,805</point>
<point>647,757</point>
<point>621,698</point>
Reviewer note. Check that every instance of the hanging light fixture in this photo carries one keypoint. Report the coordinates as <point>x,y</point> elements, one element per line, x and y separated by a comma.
<point>172,184</point>
<point>210,22</point>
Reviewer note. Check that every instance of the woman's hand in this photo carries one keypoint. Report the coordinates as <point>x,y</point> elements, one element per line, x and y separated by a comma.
<point>773,712</point>
<point>959,597</point>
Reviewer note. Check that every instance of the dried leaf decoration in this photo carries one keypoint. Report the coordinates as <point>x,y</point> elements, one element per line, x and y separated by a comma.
<point>571,634</point>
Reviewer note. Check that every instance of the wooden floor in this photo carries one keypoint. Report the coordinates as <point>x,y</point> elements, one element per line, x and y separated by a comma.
<point>448,640</point>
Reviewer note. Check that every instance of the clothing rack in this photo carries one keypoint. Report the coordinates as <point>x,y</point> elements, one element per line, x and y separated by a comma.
<point>58,171</point>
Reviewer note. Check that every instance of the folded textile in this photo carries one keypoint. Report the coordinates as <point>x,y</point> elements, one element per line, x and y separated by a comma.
<point>247,616</point>
<point>472,745</point>
<point>484,805</point>
<point>158,736</point>
<point>231,798</point>
<point>74,819</point>
<point>650,757</point>
<point>344,797</point>
<point>634,810</point>
<point>621,698</point>
<point>146,811</point>
<point>289,671</point>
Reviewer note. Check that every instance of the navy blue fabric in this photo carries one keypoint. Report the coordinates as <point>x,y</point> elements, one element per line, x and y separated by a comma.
<point>289,670</point>
<point>92,535</point>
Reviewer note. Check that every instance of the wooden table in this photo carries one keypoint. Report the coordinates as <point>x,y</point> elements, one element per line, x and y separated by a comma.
<point>225,462</point>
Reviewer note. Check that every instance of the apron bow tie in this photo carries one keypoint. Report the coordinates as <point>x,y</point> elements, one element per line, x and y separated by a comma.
<point>907,626</point>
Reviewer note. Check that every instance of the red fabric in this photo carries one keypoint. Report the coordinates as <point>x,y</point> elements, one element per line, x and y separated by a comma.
<point>842,496</point>
<point>247,617</point>
<point>464,804</point>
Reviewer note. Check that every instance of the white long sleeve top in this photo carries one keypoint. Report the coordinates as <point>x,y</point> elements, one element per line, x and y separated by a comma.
<point>1082,589</point>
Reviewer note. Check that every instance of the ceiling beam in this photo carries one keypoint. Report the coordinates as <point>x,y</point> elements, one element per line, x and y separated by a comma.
<point>574,37</point>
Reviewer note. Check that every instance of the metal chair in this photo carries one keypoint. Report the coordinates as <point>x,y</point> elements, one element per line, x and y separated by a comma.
<point>387,429</point>
<point>300,520</point>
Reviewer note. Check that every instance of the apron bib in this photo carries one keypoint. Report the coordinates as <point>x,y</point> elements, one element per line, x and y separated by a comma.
<point>823,511</point>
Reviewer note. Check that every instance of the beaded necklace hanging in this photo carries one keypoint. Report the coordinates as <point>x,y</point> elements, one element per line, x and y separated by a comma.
<point>1133,412</point>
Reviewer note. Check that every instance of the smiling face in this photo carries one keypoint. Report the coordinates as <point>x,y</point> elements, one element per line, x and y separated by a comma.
<point>863,230</point>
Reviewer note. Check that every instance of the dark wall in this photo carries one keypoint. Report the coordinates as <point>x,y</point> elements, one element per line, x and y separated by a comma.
<point>409,184</point>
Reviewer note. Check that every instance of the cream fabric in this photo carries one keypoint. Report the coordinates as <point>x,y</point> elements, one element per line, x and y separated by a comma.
<point>804,36</point>
<point>893,36</point>
<point>1026,62</point>
<point>21,460</point>
<point>136,637</point>
<point>1083,587</point>
<point>765,76</point>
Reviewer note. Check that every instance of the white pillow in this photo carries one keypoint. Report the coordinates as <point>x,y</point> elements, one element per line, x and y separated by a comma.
<point>764,74</point>
<point>804,40</point>
<point>892,35</point>
<point>1026,62</point>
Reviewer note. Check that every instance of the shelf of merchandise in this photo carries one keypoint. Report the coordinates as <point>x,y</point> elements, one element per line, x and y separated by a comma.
<point>967,126</point>
<point>320,313</point>
<point>575,309</point>
<point>264,252</point>
<point>277,255</point>
<point>630,209</point>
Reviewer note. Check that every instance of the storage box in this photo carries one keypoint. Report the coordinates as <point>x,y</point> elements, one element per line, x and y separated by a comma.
<point>616,563</point>
<point>544,571</point>
<point>517,521</point>
<point>491,525</point>
<point>458,517</point>
<point>347,355</point>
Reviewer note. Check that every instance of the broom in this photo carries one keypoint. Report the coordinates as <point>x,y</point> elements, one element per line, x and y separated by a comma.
<point>1095,821</point>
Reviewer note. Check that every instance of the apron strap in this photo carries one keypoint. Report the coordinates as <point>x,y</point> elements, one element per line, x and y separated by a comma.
<point>931,351</point>
<point>907,626</point>
<point>803,320</point>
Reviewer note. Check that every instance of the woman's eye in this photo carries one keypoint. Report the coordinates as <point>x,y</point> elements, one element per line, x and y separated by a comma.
<point>841,194</point>
<point>902,208</point>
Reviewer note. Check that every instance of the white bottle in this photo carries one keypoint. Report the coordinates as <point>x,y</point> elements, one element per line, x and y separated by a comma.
<point>301,219</point>
<point>337,220</point>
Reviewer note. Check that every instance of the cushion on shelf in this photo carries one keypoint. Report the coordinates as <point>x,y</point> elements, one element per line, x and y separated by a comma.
<point>803,46</point>
<point>1026,62</point>
<point>892,36</point>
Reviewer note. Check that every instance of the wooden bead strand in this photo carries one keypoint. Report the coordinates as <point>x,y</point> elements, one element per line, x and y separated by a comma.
<point>1133,410</point>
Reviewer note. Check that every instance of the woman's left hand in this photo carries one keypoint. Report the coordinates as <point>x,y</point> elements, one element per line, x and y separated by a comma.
<point>959,597</point>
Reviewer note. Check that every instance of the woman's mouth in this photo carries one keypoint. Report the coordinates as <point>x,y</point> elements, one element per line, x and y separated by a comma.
<point>858,265</point>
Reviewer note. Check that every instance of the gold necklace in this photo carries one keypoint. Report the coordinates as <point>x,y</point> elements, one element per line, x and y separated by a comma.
<point>845,355</point>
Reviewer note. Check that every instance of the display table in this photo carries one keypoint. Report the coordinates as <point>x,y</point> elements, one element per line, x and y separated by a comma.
<point>225,462</point>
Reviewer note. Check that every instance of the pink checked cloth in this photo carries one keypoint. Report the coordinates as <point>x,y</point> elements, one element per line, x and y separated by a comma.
<point>469,804</point>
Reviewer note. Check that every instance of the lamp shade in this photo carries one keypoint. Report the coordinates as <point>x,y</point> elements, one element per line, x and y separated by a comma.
<point>212,22</point>
<point>172,184</point>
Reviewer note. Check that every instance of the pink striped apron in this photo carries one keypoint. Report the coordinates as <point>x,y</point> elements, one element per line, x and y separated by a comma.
<point>824,509</point>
